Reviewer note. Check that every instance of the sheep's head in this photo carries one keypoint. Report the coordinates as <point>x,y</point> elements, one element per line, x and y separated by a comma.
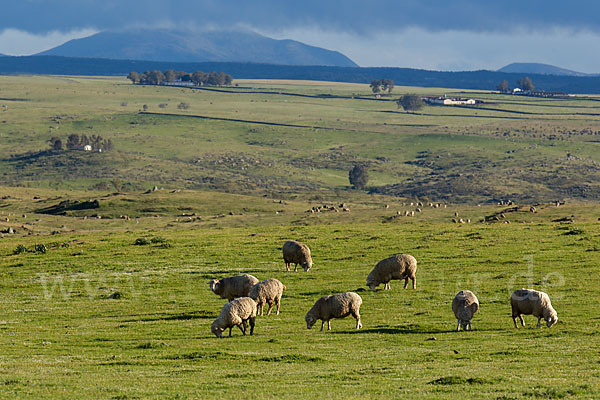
<point>310,320</point>
<point>552,319</point>
<point>372,284</point>
<point>217,331</point>
<point>307,264</point>
<point>214,285</point>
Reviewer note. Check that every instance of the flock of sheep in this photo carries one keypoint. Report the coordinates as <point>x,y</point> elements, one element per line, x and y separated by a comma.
<point>247,296</point>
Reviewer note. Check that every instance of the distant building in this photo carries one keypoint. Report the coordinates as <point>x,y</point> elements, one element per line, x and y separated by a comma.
<point>447,101</point>
<point>87,147</point>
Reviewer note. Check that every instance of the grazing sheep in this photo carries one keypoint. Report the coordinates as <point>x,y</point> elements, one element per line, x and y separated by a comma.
<point>268,291</point>
<point>464,305</point>
<point>234,286</point>
<point>334,306</point>
<point>532,209</point>
<point>235,313</point>
<point>532,302</point>
<point>297,253</point>
<point>402,266</point>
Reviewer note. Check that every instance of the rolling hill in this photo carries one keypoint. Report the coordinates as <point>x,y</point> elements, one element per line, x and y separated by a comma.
<point>186,46</point>
<point>542,69</point>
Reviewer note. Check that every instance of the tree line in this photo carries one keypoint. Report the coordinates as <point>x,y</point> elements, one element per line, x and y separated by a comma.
<point>78,142</point>
<point>199,78</point>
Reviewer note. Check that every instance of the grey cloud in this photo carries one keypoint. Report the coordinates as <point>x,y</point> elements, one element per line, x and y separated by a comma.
<point>357,16</point>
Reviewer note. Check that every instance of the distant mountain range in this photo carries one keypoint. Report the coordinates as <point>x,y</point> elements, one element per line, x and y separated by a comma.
<point>187,46</point>
<point>542,69</point>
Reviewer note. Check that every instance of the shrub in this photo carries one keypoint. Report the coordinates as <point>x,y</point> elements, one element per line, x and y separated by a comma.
<point>20,249</point>
<point>141,242</point>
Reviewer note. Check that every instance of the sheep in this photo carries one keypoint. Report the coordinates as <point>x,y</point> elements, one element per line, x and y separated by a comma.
<point>268,291</point>
<point>234,286</point>
<point>238,313</point>
<point>402,266</point>
<point>297,253</point>
<point>464,305</point>
<point>338,305</point>
<point>532,302</point>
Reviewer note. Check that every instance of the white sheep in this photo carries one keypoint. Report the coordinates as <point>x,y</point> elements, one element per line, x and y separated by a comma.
<point>268,291</point>
<point>238,313</point>
<point>297,253</point>
<point>234,286</point>
<point>401,266</point>
<point>532,302</point>
<point>334,306</point>
<point>464,305</point>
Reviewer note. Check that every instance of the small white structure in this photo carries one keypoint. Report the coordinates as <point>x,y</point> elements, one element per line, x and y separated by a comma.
<point>517,90</point>
<point>87,147</point>
<point>447,101</point>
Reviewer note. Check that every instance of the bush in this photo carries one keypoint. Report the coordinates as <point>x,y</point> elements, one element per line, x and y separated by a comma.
<point>141,242</point>
<point>40,248</point>
<point>358,177</point>
<point>183,106</point>
<point>20,249</point>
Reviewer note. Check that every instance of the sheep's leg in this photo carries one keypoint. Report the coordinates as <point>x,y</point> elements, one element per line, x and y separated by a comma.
<point>539,324</point>
<point>245,324</point>
<point>261,305</point>
<point>296,267</point>
<point>414,280</point>
<point>322,325</point>
<point>270,308</point>
<point>522,320</point>
<point>386,286</point>
<point>405,282</point>
<point>358,323</point>
<point>470,327</point>
<point>515,321</point>
<point>287,266</point>
<point>277,301</point>
<point>252,322</point>
<point>328,324</point>
<point>230,330</point>
<point>458,326</point>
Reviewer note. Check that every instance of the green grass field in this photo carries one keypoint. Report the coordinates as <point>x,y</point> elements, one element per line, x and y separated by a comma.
<point>87,313</point>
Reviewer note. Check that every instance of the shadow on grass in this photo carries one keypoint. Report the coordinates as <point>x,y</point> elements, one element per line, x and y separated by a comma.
<point>407,329</point>
<point>175,317</point>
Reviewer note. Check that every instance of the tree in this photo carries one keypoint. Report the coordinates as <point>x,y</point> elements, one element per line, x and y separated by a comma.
<point>156,77</point>
<point>73,141</point>
<point>199,78</point>
<point>170,75</point>
<point>358,176</point>
<point>387,85</point>
<point>375,86</point>
<point>410,102</point>
<point>503,86</point>
<point>134,77</point>
<point>525,83</point>
<point>55,143</point>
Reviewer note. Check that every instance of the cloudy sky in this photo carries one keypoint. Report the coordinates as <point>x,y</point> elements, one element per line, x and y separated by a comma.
<point>432,34</point>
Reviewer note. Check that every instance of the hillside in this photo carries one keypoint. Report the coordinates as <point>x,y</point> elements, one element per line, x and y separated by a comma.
<point>187,46</point>
<point>299,140</point>
<point>542,69</point>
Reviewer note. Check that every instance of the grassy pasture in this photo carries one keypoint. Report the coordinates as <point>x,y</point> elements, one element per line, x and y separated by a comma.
<point>65,337</point>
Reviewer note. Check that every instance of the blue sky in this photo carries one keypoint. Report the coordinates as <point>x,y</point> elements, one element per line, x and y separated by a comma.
<point>433,34</point>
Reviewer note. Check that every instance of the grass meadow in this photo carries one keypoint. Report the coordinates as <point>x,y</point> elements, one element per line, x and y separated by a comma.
<point>88,313</point>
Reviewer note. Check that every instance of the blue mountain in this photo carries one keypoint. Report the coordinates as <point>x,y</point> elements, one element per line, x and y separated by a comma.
<point>207,46</point>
